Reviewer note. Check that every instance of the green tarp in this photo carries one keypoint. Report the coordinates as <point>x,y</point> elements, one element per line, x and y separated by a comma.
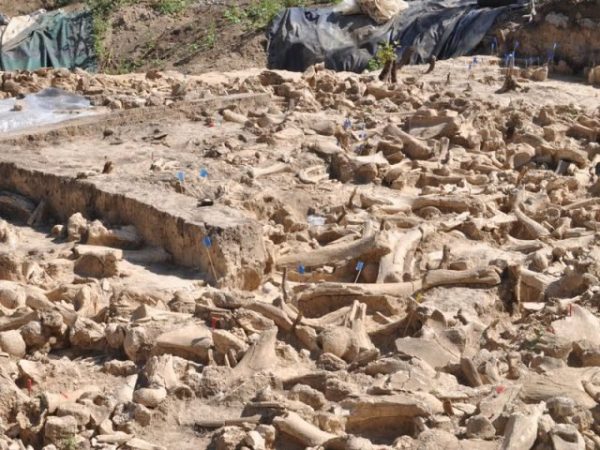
<point>57,39</point>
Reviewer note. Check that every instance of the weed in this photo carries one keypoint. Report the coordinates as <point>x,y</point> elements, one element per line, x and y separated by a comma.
<point>170,7</point>
<point>385,53</point>
<point>209,40</point>
<point>234,15</point>
<point>259,13</point>
<point>69,443</point>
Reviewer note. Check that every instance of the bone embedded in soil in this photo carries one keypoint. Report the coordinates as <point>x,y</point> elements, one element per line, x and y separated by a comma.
<point>273,260</point>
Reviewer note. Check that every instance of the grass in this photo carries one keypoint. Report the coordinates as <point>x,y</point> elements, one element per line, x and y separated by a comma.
<point>171,7</point>
<point>385,53</point>
<point>102,11</point>
<point>210,38</point>
<point>259,14</point>
<point>69,443</point>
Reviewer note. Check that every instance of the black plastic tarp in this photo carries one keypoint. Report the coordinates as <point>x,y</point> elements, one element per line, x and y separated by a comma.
<point>301,37</point>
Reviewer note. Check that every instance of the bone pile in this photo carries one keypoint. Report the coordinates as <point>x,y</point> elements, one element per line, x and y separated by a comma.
<point>439,291</point>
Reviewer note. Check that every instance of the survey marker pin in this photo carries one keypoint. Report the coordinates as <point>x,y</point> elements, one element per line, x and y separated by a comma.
<point>359,267</point>
<point>207,241</point>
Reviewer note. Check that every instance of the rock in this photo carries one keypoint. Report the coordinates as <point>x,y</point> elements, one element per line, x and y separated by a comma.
<point>115,335</point>
<point>13,343</point>
<point>33,334</point>
<point>522,155</point>
<point>59,429</point>
<point>231,116</point>
<point>80,412</point>
<point>31,370</point>
<point>582,325</point>
<point>142,415</point>
<point>341,342</point>
<point>126,237</point>
<point>228,438</point>
<point>377,412</point>
<point>521,430</point>
<point>16,207</point>
<point>135,340</point>
<point>308,395</point>
<point>255,441</point>
<point>120,368</point>
<point>140,444</point>
<point>87,334</point>
<point>328,361</point>
<point>12,296</point>
<point>561,407</point>
<point>594,76</point>
<point>99,264</point>
<point>77,227</point>
<point>225,340</point>
<point>566,437</point>
<point>150,397</point>
<point>540,73</point>
<point>480,427</point>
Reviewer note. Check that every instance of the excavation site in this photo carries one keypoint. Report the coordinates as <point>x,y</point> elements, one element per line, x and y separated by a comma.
<point>281,225</point>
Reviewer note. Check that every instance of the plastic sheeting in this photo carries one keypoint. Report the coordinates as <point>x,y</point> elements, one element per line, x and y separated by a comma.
<point>54,39</point>
<point>47,107</point>
<point>301,37</point>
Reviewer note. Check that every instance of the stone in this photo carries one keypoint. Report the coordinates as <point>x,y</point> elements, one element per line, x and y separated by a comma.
<point>539,73</point>
<point>120,368</point>
<point>13,343</point>
<point>76,227</point>
<point>150,397</point>
<point>328,361</point>
<point>80,412</point>
<point>561,407</point>
<point>308,395</point>
<point>58,429</point>
<point>142,415</point>
<point>341,342</point>
<point>480,427</point>
<point>594,76</point>
<point>12,296</point>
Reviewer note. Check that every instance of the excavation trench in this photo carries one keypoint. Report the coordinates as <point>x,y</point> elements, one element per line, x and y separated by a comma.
<point>235,255</point>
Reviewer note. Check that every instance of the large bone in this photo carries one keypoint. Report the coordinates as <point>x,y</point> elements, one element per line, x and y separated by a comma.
<point>450,203</point>
<point>413,148</point>
<point>534,229</point>
<point>277,315</point>
<point>307,434</point>
<point>483,276</point>
<point>394,266</point>
<point>260,356</point>
<point>257,172</point>
<point>370,247</point>
<point>322,298</point>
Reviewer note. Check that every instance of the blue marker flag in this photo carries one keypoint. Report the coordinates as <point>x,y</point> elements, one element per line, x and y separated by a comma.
<point>347,124</point>
<point>181,176</point>
<point>301,269</point>
<point>360,265</point>
<point>203,173</point>
<point>207,241</point>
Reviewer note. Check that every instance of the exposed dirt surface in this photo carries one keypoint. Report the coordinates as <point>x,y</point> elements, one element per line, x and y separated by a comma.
<point>272,260</point>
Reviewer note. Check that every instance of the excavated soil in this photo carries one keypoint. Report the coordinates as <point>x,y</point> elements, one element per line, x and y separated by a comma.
<point>272,260</point>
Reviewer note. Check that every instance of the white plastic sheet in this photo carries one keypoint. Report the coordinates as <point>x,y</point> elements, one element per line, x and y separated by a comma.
<point>46,107</point>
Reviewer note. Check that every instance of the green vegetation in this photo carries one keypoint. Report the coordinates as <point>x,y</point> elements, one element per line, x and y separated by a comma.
<point>259,13</point>
<point>170,7</point>
<point>210,38</point>
<point>385,53</point>
<point>69,443</point>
